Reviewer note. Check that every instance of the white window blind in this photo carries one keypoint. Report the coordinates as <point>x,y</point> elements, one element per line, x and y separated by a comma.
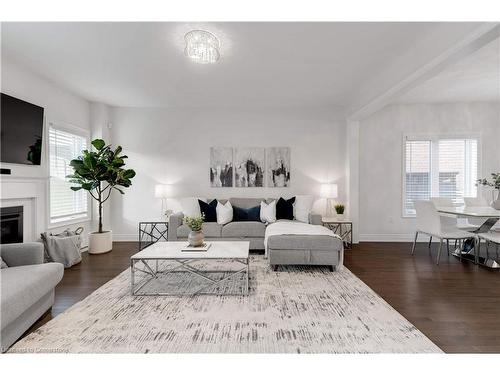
<point>417,173</point>
<point>439,167</point>
<point>65,204</point>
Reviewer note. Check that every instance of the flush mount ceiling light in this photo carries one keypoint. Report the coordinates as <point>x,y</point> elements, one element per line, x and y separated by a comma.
<point>202,46</point>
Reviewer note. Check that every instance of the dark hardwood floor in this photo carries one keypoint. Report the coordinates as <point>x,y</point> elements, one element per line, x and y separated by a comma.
<point>457,305</point>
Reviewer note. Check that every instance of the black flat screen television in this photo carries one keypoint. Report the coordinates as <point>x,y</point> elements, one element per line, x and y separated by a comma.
<point>21,131</point>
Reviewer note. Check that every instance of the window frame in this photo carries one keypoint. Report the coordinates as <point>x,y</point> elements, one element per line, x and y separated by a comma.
<point>74,130</point>
<point>434,138</point>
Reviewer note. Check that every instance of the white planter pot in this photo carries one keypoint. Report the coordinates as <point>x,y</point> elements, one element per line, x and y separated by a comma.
<point>496,199</point>
<point>196,238</point>
<point>100,242</point>
<point>496,204</point>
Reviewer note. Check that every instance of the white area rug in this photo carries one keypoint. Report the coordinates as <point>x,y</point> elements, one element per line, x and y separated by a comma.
<point>294,310</point>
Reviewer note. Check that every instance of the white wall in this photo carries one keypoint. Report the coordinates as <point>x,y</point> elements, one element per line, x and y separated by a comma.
<point>61,107</point>
<point>172,146</point>
<point>380,162</point>
<point>100,122</point>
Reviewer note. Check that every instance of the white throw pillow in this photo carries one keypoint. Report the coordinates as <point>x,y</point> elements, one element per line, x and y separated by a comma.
<point>224,213</point>
<point>268,212</point>
<point>302,207</point>
<point>191,207</point>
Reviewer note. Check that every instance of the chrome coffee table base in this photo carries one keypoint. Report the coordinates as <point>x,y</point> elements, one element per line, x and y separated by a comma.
<point>149,268</point>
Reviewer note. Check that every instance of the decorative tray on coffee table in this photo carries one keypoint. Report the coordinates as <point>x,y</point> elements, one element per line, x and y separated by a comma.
<point>204,247</point>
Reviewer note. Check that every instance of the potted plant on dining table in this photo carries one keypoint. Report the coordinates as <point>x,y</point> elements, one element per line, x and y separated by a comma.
<point>494,183</point>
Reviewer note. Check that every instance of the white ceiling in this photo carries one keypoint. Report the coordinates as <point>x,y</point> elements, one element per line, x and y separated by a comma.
<point>262,64</point>
<point>474,78</point>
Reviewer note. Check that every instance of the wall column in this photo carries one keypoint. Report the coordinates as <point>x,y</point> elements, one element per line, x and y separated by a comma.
<point>352,170</point>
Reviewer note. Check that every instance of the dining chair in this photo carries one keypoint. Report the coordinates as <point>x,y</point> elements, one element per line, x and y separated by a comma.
<point>430,223</point>
<point>479,201</point>
<point>460,223</point>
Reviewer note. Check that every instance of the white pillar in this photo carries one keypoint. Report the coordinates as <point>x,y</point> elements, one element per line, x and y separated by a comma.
<point>352,170</point>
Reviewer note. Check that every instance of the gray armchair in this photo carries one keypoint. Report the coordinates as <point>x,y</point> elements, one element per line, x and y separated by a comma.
<point>27,288</point>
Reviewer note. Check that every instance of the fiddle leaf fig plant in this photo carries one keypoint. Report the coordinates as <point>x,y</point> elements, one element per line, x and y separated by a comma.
<point>100,172</point>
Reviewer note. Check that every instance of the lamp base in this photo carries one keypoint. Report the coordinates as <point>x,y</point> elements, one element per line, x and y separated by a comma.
<point>330,208</point>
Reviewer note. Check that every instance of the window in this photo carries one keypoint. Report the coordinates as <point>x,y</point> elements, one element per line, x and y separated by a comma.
<point>439,167</point>
<point>65,204</point>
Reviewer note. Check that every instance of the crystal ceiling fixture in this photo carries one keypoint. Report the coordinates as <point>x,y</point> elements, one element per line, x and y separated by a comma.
<point>202,46</point>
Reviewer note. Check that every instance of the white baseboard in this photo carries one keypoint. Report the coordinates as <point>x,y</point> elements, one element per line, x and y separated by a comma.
<point>392,237</point>
<point>389,237</point>
<point>362,238</point>
<point>396,237</point>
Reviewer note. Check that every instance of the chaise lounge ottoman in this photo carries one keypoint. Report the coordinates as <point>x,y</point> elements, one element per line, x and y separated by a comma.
<point>292,243</point>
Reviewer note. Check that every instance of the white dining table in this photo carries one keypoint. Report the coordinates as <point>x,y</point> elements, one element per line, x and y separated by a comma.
<point>491,217</point>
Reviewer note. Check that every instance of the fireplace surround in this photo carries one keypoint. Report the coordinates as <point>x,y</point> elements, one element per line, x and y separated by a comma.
<point>11,219</point>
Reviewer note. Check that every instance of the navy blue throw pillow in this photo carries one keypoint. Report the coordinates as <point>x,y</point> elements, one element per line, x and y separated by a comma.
<point>254,213</point>
<point>209,210</point>
<point>284,209</point>
<point>246,214</point>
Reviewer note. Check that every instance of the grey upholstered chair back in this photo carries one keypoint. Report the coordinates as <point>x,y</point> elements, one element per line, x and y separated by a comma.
<point>442,202</point>
<point>480,201</point>
<point>428,220</point>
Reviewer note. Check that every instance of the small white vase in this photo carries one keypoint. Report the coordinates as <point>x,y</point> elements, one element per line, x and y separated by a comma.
<point>496,202</point>
<point>196,238</point>
<point>100,243</point>
<point>340,217</point>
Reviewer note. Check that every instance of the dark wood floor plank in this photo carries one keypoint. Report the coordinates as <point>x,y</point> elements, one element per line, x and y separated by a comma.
<point>457,305</point>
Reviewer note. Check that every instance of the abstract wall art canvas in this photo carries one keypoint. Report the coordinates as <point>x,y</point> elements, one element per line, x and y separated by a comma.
<point>278,166</point>
<point>221,166</point>
<point>249,164</point>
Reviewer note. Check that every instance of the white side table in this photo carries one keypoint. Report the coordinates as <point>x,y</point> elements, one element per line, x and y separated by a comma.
<point>341,227</point>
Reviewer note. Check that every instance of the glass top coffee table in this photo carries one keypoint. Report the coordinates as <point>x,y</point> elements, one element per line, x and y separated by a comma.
<point>164,269</point>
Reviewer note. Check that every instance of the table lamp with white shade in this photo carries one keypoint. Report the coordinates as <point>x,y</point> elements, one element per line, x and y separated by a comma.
<point>330,192</point>
<point>163,192</point>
